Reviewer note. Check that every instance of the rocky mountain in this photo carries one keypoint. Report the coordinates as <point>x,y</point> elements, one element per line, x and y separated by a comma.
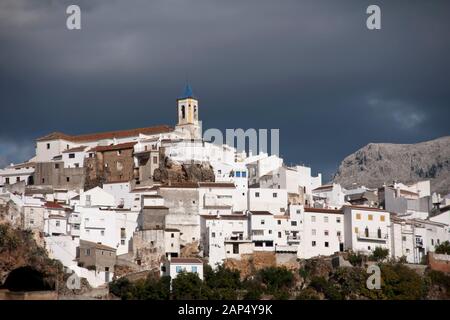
<point>379,163</point>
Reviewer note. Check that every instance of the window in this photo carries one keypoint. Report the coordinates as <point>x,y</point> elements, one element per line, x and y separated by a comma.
<point>403,238</point>
<point>381,218</point>
<point>262,221</point>
<point>326,233</point>
<point>122,233</point>
<point>313,232</point>
<point>325,219</point>
<point>356,230</point>
<point>213,234</point>
<point>238,174</point>
<point>155,160</point>
<point>48,146</point>
<point>270,231</point>
<point>358,216</point>
<point>7,181</point>
<point>293,223</point>
<point>313,218</point>
<point>279,234</point>
<point>122,242</point>
<point>119,152</point>
<point>256,194</point>
<point>194,268</point>
<point>274,195</point>
<point>67,179</point>
<point>31,221</point>
<point>56,165</point>
<point>71,155</point>
<point>370,217</point>
<point>58,223</point>
<point>279,221</point>
<point>338,233</point>
<point>327,244</point>
<point>432,242</point>
<point>178,269</point>
<point>102,232</point>
<point>43,180</point>
<point>338,219</point>
<point>18,179</point>
<point>77,165</point>
<point>235,248</point>
<point>88,252</point>
<point>244,174</point>
<point>298,211</point>
<point>172,235</point>
<point>313,243</point>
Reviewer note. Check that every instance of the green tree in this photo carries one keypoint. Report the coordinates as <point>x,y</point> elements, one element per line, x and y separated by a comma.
<point>399,282</point>
<point>276,278</point>
<point>188,286</point>
<point>223,283</point>
<point>379,254</point>
<point>443,248</point>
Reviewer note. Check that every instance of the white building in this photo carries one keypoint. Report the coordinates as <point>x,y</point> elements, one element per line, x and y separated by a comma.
<point>322,233</point>
<point>174,266</point>
<point>225,237</point>
<point>121,193</point>
<point>366,228</point>
<point>273,200</point>
<point>262,226</point>
<point>16,173</point>
<point>330,196</point>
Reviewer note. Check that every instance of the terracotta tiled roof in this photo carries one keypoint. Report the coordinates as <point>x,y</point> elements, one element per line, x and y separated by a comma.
<point>365,208</point>
<point>186,260</point>
<point>75,149</point>
<point>320,210</point>
<point>107,135</point>
<point>121,146</point>
<point>100,246</point>
<point>216,184</point>
<point>324,187</point>
<point>261,213</point>
<point>53,205</point>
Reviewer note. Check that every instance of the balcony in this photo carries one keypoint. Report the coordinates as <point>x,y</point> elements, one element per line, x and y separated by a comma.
<point>74,219</point>
<point>293,239</point>
<point>372,236</point>
<point>236,238</point>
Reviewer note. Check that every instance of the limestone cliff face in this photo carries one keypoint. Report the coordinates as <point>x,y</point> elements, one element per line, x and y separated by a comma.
<point>170,171</point>
<point>379,163</point>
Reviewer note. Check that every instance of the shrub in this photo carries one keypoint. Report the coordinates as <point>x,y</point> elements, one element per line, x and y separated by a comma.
<point>308,294</point>
<point>330,290</point>
<point>188,286</point>
<point>379,254</point>
<point>401,283</point>
<point>355,259</point>
<point>276,278</point>
<point>443,248</point>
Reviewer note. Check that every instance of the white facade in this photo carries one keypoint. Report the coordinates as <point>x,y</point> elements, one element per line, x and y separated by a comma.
<point>16,173</point>
<point>121,193</point>
<point>322,233</point>
<point>366,228</point>
<point>273,200</point>
<point>263,226</point>
<point>174,266</point>
<point>97,197</point>
<point>225,237</point>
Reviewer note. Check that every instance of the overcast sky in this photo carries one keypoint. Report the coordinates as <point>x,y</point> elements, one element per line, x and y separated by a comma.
<point>310,68</point>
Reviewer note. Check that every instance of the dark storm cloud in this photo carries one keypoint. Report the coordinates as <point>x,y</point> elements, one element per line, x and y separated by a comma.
<point>310,68</point>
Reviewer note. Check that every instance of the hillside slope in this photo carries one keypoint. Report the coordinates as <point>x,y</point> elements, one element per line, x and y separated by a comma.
<point>379,163</point>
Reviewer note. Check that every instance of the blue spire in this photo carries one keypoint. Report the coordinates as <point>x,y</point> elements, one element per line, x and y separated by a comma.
<point>187,93</point>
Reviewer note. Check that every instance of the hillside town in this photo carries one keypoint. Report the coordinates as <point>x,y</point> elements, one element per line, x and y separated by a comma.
<point>164,199</point>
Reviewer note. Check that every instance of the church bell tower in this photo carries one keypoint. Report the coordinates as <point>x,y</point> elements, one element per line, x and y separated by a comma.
<point>187,107</point>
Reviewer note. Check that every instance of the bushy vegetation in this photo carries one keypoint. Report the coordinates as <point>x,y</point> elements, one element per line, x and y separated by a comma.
<point>398,281</point>
<point>443,248</point>
<point>379,254</point>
